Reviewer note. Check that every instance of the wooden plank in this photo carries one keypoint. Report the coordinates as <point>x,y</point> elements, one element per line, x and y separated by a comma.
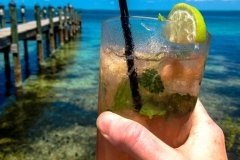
<point>26,31</point>
<point>6,32</point>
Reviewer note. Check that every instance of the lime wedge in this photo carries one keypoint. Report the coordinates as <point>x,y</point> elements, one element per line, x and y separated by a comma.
<point>186,25</point>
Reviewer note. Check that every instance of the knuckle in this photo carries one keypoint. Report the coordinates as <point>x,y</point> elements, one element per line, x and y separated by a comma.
<point>217,131</point>
<point>220,132</point>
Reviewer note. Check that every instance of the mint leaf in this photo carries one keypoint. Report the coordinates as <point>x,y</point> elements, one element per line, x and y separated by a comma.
<point>149,109</point>
<point>161,17</point>
<point>182,104</point>
<point>123,97</point>
<point>151,80</point>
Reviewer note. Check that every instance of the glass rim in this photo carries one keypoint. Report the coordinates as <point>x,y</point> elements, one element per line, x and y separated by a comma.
<point>173,47</point>
<point>132,17</point>
<point>144,18</point>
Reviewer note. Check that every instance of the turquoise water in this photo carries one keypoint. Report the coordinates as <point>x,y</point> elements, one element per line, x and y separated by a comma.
<point>54,115</point>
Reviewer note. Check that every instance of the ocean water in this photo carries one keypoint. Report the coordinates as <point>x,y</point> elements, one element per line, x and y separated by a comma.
<point>53,115</point>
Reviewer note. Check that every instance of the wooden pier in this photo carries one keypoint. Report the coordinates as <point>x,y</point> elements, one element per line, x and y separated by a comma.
<point>65,25</point>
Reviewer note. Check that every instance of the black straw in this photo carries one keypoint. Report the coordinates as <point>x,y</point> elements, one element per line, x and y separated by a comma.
<point>129,48</point>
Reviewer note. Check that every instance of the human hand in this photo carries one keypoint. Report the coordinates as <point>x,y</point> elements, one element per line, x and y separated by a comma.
<point>205,141</point>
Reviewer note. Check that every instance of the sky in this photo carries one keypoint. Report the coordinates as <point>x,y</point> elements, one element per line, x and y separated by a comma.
<point>134,4</point>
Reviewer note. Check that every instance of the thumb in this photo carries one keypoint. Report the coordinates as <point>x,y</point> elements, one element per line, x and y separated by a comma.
<point>133,138</point>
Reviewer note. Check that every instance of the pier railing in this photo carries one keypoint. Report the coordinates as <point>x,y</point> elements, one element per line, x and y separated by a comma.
<point>65,23</point>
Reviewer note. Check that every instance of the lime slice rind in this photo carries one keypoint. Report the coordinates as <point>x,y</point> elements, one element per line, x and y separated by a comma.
<point>186,25</point>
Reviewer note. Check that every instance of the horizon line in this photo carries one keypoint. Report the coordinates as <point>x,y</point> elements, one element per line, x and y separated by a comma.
<point>162,10</point>
<point>151,10</point>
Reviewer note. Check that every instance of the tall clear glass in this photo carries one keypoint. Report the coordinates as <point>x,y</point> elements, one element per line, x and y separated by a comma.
<point>168,77</point>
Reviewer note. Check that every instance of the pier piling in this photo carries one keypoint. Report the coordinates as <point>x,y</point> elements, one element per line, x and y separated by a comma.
<point>2,14</point>
<point>25,41</point>
<point>51,30</point>
<point>59,28</point>
<point>15,45</point>
<point>23,15</point>
<point>39,35</point>
<point>70,21</point>
<point>61,38</point>
<point>55,30</point>
<point>66,33</point>
<point>75,22</point>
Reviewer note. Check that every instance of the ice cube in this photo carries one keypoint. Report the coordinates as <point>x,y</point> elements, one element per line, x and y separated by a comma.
<point>180,77</point>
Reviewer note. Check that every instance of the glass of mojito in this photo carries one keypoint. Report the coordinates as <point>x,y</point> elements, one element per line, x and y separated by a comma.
<point>167,60</point>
